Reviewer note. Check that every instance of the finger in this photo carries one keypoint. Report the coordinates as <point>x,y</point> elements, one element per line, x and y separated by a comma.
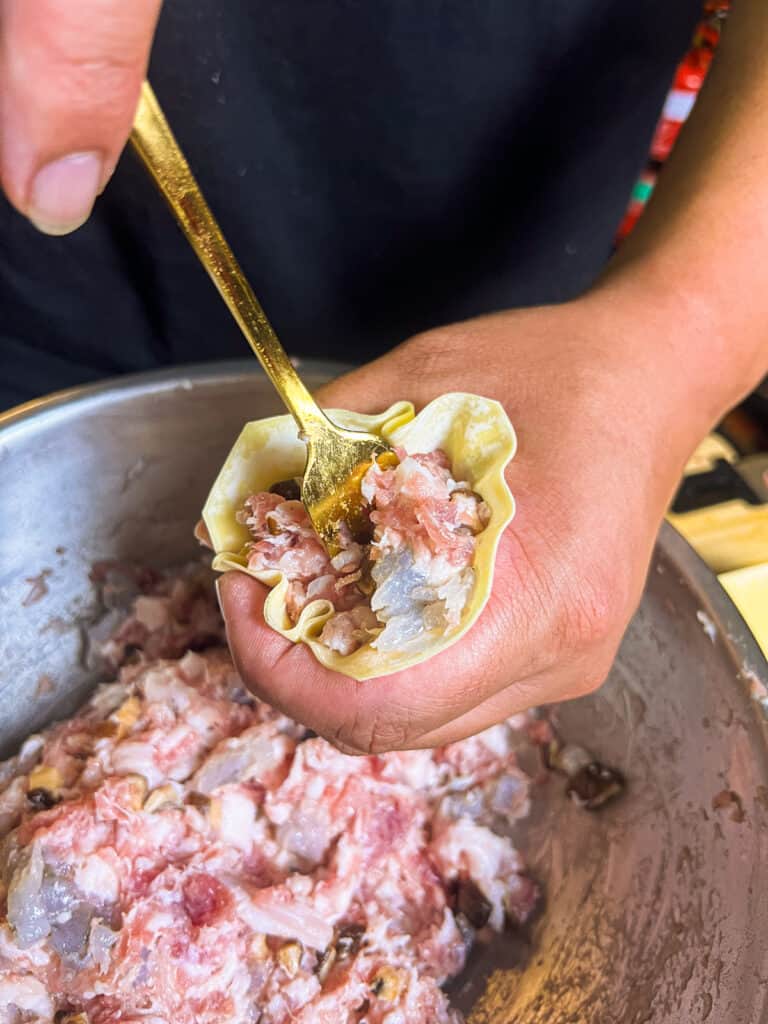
<point>388,712</point>
<point>539,690</point>
<point>520,697</point>
<point>70,74</point>
<point>382,713</point>
<point>284,674</point>
<point>367,390</point>
<point>358,717</point>
<point>398,375</point>
<point>426,366</point>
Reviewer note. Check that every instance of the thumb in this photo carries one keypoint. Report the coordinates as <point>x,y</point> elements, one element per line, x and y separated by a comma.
<point>70,74</point>
<point>369,389</point>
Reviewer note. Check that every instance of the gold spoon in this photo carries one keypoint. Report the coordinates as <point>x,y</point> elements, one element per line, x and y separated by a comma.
<point>336,458</point>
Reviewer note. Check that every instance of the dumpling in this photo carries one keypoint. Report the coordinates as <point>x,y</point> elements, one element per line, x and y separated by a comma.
<point>436,518</point>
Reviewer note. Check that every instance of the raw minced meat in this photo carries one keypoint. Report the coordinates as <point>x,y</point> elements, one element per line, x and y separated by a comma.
<point>180,852</point>
<point>411,582</point>
<point>161,615</point>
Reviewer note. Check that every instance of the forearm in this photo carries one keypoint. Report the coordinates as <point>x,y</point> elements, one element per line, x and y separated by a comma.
<point>696,267</point>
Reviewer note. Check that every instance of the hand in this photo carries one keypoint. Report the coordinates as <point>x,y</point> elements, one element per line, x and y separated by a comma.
<point>601,449</point>
<point>70,73</point>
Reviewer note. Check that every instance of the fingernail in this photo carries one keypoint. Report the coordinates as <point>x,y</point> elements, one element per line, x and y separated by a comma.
<point>63,193</point>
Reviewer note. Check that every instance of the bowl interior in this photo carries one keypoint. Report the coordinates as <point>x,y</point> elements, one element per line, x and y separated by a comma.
<point>655,908</point>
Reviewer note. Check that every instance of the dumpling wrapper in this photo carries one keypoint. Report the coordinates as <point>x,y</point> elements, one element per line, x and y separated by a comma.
<point>479,440</point>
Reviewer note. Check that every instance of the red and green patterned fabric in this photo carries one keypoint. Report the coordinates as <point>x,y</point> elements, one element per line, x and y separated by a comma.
<point>688,80</point>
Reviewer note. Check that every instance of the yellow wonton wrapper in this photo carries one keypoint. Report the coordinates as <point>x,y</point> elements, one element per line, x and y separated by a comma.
<point>479,440</point>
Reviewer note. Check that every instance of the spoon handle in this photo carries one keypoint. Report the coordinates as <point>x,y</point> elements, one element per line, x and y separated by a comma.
<point>154,142</point>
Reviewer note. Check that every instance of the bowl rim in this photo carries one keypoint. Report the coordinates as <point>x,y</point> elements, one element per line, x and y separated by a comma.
<point>61,406</point>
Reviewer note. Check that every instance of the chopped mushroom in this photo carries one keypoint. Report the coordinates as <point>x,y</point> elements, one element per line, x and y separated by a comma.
<point>472,904</point>
<point>387,983</point>
<point>595,785</point>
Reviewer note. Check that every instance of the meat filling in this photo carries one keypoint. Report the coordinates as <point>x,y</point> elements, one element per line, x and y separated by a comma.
<point>410,583</point>
<point>180,852</point>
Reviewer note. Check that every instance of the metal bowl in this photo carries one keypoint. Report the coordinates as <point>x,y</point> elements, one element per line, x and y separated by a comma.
<point>655,908</point>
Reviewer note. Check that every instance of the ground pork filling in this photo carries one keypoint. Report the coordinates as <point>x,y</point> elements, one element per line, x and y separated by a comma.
<point>180,852</point>
<point>409,584</point>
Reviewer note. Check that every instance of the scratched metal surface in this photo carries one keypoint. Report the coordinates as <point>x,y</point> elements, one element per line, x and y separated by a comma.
<point>656,910</point>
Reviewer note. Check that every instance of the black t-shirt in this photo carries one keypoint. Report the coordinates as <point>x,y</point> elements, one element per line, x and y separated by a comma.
<point>379,167</point>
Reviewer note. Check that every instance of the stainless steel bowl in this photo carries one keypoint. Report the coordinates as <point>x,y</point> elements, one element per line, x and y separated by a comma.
<point>656,909</point>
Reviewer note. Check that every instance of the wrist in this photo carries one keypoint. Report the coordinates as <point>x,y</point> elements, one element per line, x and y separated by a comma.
<point>663,380</point>
<point>702,354</point>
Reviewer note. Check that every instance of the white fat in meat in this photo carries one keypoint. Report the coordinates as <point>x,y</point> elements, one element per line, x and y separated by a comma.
<point>24,998</point>
<point>258,754</point>
<point>276,912</point>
